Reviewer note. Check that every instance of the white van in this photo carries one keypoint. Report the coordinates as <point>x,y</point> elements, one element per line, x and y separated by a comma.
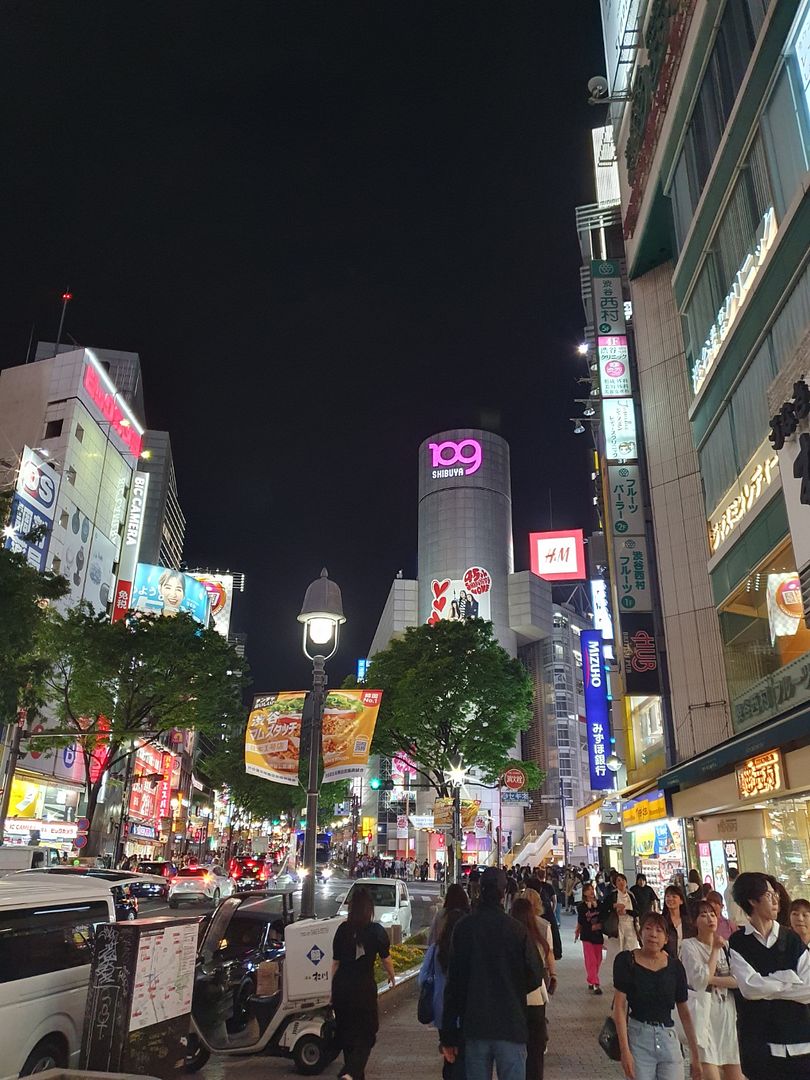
<point>46,944</point>
<point>25,857</point>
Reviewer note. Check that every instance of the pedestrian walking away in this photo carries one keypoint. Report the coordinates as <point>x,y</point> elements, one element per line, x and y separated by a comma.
<point>537,1000</point>
<point>589,932</point>
<point>550,908</point>
<point>358,942</point>
<point>714,1014</point>
<point>771,964</point>
<point>493,966</point>
<point>649,985</point>
<point>434,971</point>
<point>455,900</point>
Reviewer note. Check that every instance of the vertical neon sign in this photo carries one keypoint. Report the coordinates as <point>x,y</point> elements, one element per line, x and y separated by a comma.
<point>596,710</point>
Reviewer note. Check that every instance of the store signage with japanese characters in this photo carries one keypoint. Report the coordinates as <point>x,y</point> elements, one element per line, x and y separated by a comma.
<point>614,366</point>
<point>32,510</point>
<point>619,425</point>
<point>102,395</point>
<point>646,808</point>
<point>608,303</point>
<point>626,507</point>
<point>596,710</point>
<point>758,477</point>
<point>558,556</point>
<point>790,437</point>
<point>761,775</point>
<point>632,569</point>
<point>131,546</point>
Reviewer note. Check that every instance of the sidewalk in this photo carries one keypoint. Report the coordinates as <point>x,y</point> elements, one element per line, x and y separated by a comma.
<point>409,1051</point>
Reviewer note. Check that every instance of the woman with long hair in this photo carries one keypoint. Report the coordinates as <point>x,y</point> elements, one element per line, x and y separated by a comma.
<point>358,942</point>
<point>456,899</point>
<point>536,1001</point>
<point>589,932</point>
<point>649,985</point>
<point>708,971</point>
<point>678,919</point>
<point>623,903</point>
<point>434,967</point>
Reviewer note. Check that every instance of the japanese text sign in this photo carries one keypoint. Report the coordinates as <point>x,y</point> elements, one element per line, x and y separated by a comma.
<point>632,569</point>
<point>614,366</point>
<point>619,425</point>
<point>761,775</point>
<point>626,507</point>
<point>596,710</point>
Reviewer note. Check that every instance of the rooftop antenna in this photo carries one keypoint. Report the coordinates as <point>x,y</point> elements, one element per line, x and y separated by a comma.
<point>67,296</point>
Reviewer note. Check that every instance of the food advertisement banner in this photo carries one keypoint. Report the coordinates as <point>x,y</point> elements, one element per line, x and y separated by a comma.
<point>443,813</point>
<point>273,736</point>
<point>349,719</point>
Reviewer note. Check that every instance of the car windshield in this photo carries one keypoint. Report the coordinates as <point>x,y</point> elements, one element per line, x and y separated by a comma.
<point>382,895</point>
<point>193,871</point>
<point>243,935</point>
<point>151,867</point>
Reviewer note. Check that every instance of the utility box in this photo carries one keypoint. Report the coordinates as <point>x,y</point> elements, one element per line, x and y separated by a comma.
<point>139,1000</point>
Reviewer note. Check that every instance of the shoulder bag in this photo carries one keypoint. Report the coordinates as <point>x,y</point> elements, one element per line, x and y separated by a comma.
<point>424,1007</point>
<point>608,1037</point>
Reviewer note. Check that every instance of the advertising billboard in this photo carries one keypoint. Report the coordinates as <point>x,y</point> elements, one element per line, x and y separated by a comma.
<point>220,594</point>
<point>131,544</point>
<point>614,366</point>
<point>443,813</point>
<point>32,509</point>
<point>558,556</point>
<point>608,301</point>
<point>458,600</point>
<point>640,654</point>
<point>619,423</point>
<point>624,500</point>
<point>273,736</point>
<point>100,394</point>
<point>596,710</point>
<point>349,719</point>
<point>632,564</point>
<point>161,591</point>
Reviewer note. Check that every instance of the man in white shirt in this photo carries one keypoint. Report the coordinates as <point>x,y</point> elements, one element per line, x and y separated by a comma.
<point>772,967</point>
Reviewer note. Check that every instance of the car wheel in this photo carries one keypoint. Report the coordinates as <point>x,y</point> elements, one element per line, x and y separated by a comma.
<point>197,1055</point>
<point>173,904</point>
<point>309,1054</point>
<point>216,896</point>
<point>48,1054</point>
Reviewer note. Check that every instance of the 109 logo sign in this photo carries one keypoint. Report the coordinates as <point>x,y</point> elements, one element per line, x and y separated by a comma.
<point>464,455</point>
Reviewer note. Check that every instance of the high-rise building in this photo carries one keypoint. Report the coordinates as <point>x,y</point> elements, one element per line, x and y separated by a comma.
<point>164,524</point>
<point>710,109</point>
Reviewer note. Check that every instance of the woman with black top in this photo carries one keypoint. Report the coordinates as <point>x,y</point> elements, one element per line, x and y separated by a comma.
<point>589,932</point>
<point>649,984</point>
<point>358,942</point>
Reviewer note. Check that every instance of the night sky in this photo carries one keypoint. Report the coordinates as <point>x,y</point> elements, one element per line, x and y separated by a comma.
<point>329,229</point>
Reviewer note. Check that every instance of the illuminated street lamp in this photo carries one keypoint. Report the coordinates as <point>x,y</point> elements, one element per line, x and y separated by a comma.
<point>321,616</point>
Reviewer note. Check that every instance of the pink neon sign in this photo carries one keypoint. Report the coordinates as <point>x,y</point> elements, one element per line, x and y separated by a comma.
<point>465,455</point>
<point>111,410</point>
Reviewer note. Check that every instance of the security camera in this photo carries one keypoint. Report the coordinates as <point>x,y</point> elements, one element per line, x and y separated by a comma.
<point>598,89</point>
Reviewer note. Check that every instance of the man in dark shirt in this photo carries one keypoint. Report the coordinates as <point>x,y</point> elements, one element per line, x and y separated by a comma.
<point>493,966</point>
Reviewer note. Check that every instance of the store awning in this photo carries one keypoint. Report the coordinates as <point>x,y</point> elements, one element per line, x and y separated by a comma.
<point>632,791</point>
<point>591,808</point>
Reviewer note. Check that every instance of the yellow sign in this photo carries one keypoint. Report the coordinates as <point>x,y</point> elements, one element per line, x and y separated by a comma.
<point>26,799</point>
<point>647,808</point>
<point>349,719</point>
<point>443,813</point>
<point>273,736</point>
<point>761,775</point>
<point>748,488</point>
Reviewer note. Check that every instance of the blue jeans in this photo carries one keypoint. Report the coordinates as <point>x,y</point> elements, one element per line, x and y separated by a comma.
<point>509,1059</point>
<point>656,1051</point>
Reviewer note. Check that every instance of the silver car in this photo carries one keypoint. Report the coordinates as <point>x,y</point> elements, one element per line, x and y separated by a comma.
<point>200,883</point>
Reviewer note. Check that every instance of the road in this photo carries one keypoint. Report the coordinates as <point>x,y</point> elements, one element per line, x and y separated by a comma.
<point>424,900</point>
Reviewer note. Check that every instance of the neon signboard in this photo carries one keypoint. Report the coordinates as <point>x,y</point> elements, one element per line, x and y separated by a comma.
<point>103,393</point>
<point>455,458</point>
<point>596,710</point>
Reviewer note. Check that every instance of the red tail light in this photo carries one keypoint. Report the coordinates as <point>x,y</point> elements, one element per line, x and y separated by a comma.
<point>263,874</point>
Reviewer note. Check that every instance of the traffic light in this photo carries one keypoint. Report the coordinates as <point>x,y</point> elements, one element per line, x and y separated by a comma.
<point>375,783</point>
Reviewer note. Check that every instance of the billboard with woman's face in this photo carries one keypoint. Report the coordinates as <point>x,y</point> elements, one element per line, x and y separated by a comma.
<point>162,591</point>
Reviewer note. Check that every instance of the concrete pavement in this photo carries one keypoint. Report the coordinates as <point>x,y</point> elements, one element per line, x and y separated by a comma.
<point>407,1049</point>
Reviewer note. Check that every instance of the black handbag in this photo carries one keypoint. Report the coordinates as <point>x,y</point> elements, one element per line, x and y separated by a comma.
<point>424,1007</point>
<point>610,926</point>
<point>609,1039</point>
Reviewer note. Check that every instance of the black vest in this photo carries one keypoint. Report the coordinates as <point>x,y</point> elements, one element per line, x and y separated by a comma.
<point>763,1022</point>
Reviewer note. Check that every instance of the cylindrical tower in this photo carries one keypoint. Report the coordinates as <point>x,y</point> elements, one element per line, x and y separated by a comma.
<point>465,529</point>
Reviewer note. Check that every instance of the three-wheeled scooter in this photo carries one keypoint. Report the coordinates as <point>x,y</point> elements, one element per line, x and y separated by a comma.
<point>293,1020</point>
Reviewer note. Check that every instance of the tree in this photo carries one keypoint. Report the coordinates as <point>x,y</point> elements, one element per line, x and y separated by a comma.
<point>25,598</point>
<point>113,685</point>
<point>452,695</point>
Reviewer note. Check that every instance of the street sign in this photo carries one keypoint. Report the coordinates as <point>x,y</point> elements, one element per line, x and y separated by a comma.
<point>83,824</point>
<point>514,778</point>
<point>515,797</point>
<point>80,841</point>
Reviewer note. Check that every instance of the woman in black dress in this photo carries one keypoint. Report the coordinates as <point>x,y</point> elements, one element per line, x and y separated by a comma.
<point>358,942</point>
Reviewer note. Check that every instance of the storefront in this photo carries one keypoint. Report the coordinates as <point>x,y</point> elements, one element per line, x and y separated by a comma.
<point>755,814</point>
<point>142,840</point>
<point>41,809</point>
<point>655,839</point>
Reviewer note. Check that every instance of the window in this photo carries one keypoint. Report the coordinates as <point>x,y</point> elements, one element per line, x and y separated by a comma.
<point>39,941</point>
<point>64,519</point>
<point>80,433</point>
<point>70,475</point>
<point>749,405</point>
<point>53,429</point>
<point>717,461</point>
<point>56,565</point>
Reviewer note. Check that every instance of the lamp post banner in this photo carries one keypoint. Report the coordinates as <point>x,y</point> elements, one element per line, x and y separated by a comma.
<point>273,736</point>
<point>349,720</point>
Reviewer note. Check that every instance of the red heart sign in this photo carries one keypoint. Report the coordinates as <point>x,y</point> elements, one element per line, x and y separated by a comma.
<point>438,605</point>
<point>440,587</point>
<point>434,618</point>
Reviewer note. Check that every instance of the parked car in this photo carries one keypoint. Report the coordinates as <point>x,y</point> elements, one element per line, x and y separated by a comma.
<point>46,942</point>
<point>392,902</point>
<point>200,883</point>
<point>250,872</point>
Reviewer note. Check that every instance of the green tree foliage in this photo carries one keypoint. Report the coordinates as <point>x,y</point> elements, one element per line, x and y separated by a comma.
<point>452,694</point>
<point>25,598</point>
<point>110,684</point>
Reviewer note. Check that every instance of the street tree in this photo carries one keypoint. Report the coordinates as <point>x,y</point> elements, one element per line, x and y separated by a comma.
<point>113,686</point>
<point>452,697</point>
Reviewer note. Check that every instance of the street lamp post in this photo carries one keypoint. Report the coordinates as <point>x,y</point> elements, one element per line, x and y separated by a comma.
<point>321,616</point>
